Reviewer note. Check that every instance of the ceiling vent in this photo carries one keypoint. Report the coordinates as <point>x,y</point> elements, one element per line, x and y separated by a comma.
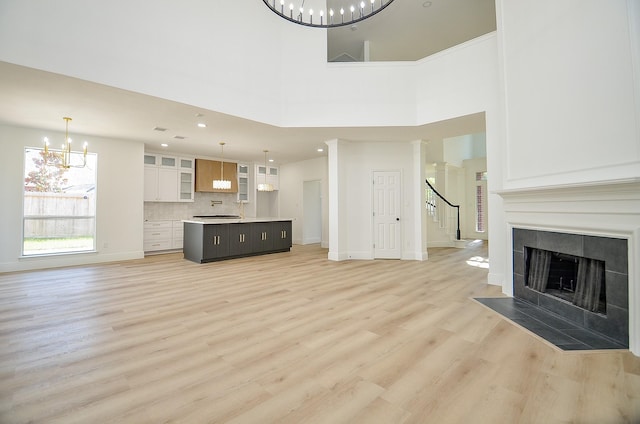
<point>159,129</point>
<point>179,137</point>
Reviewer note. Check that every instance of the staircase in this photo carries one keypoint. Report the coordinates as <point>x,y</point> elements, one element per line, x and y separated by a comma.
<point>443,227</point>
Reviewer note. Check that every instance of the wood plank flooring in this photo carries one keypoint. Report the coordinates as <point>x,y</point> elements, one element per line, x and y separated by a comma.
<point>289,338</point>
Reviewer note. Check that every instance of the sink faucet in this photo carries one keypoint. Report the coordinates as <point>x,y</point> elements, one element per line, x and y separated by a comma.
<point>241,209</point>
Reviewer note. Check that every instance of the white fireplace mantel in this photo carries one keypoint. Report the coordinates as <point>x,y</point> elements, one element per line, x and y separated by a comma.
<point>606,208</point>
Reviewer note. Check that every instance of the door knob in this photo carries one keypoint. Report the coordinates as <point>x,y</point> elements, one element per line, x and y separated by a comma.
<point>397,219</point>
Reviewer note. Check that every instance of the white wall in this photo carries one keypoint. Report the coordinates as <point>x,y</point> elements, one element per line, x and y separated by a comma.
<point>358,161</point>
<point>272,72</point>
<point>459,81</point>
<point>173,50</point>
<point>292,178</point>
<point>572,96</point>
<point>469,146</point>
<point>119,214</point>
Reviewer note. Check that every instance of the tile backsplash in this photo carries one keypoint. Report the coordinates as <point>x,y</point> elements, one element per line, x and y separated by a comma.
<point>200,206</point>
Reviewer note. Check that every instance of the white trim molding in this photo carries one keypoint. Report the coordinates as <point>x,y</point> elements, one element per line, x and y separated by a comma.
<point>603,208</point>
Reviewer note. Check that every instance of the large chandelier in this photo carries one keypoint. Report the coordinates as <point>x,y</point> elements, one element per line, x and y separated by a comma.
<point>65,152</point>
<point>222,184</point>
<point>321,14</point>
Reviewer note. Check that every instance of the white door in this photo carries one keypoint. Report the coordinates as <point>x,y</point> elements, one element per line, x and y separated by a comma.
<point>386,215</point>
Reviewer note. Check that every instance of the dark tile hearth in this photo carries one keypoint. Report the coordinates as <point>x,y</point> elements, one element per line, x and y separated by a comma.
<point>564,334</point>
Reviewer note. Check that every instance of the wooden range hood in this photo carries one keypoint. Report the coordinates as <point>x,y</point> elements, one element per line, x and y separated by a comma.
<point>209,170</point>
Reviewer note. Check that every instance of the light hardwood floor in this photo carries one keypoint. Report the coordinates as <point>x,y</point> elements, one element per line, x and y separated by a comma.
<point>289,338</point>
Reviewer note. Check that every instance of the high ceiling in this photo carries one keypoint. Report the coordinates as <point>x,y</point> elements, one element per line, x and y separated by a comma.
<point>33,98</point>
<point>412,29</point>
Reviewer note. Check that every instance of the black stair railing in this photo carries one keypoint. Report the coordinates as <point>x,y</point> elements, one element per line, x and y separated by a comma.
<point>450,204</point>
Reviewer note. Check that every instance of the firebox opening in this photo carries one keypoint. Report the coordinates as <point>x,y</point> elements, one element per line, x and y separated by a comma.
<point>574,279</point>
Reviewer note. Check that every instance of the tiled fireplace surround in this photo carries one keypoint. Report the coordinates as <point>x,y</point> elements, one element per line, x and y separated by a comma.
<point>599,220</point>
<point>614,253</point>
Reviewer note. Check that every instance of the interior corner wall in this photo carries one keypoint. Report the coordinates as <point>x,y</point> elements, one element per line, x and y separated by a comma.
<point>572,91</point>
<point>119,214</point>
<point>292,178</point>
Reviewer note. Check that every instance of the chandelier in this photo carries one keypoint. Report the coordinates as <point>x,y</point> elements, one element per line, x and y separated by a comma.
<point>346,12</point>
<point>65,152</point>
<point>222,184</point>
<point>265,186</point>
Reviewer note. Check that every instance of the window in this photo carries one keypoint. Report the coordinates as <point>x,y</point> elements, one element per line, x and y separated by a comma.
<point>481,178</point>
<point>59,205</point>
<point>431,197</point>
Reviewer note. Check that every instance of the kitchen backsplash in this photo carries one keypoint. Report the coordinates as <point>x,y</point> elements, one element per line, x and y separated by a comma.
<point>200,206</point>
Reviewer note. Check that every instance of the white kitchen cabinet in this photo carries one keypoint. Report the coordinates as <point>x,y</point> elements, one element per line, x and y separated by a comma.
<point>186,163</point>
<point>158,235</point>
<point>165,161</point>
<point>167,185</point>
<point>270,174</point>
<point>177,235</point>
<point>150,183</point>
<point>162,235</point>
<point>185,180</point>
<point>167,178</point>
<point>243,183</point>
<point>185,186</point>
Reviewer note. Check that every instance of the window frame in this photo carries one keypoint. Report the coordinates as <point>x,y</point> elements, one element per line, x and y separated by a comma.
<point>90,194</point>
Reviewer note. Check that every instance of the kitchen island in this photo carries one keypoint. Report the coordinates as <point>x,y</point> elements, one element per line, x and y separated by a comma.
<point>208,239</point>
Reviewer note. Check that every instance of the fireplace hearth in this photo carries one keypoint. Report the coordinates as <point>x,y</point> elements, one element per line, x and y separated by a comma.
<point>582,278</point>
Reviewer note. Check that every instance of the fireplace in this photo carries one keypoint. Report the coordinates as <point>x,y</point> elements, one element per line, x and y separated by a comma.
<point>575,279</point>
<point>582,278</point>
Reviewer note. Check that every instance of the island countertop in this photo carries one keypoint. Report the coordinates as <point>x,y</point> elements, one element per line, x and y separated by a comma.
<point>213,220</point>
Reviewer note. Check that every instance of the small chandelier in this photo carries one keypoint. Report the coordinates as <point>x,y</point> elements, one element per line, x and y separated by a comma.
<point>222,184</point>
<point>65,151</point>
<point>348,13</point>
<point>265,186</point>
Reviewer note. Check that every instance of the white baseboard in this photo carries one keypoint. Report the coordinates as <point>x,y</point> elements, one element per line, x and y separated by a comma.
<point>440,244</point>
<point>58,261</point>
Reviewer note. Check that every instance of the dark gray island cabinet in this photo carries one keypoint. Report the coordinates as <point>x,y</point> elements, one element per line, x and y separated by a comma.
<point>214,240</point>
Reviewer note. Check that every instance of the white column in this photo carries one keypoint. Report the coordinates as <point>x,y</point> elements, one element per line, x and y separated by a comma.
<point>420,214</point>
<point>337,202</point>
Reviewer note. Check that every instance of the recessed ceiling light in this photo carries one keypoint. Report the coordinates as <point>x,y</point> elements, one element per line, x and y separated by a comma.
<point>164,145</point>
<point>270,160</point>
<point>202,125</point>
<point>427,4</point>
<point>320,149</point>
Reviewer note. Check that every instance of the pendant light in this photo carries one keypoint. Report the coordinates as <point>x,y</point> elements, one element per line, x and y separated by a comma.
<point>222,184</point>
<point>265,186</point>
